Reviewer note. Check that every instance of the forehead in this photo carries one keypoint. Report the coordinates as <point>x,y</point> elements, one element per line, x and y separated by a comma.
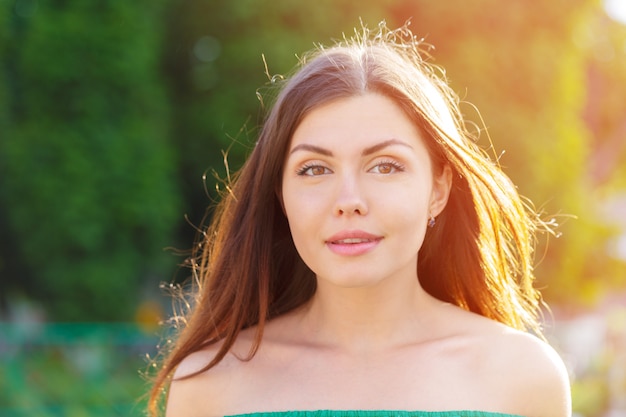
<point>360,120</point>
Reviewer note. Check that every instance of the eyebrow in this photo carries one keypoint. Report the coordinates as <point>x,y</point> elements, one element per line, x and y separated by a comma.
<point>383,145</point>
<point>367,151</point>
<point>311,148</point>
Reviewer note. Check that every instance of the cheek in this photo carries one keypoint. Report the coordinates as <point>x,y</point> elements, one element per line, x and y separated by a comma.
<point>300,209</point>
<point>300,201</point>
<point>407,201</point>
<point>306,214</point>
<point>412,223</point>
<point>406,214</point>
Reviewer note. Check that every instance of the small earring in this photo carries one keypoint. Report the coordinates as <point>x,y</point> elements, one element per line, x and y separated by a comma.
<point>431,222</point>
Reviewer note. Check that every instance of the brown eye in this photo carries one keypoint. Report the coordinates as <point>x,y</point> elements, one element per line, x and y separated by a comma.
<point>386,168</point>
<point>318,170</point>
<point>313,170</point>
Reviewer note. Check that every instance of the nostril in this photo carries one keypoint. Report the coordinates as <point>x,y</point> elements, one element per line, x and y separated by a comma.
<point>354,207</point>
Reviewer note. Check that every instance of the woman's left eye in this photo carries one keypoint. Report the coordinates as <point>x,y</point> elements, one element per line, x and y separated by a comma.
<point>386,167</point>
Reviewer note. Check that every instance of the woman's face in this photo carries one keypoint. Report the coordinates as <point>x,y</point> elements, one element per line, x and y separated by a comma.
<point>358,189</point>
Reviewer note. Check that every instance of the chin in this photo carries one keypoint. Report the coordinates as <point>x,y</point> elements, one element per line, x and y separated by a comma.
<point>357,281</point>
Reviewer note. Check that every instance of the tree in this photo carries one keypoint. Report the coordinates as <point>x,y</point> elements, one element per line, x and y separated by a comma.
<point>88,178</point>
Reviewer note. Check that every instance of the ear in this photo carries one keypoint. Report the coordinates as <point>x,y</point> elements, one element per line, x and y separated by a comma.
<point>442,184</point>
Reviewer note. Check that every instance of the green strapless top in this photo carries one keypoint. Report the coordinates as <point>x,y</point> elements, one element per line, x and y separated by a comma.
<point>375,413</point>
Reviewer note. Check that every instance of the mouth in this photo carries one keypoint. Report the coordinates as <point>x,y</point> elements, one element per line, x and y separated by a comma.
<point>353,243</point>
<point>350,237</point>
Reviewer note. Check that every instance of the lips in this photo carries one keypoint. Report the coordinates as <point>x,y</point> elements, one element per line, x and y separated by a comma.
<point>353,243</point>
<point>351,240</point>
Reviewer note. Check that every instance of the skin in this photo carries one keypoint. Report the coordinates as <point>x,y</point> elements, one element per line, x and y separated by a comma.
<point>358,190</point>
<point>357,171</point>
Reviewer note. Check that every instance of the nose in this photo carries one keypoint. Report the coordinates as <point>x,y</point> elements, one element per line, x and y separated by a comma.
<point>350,198</point>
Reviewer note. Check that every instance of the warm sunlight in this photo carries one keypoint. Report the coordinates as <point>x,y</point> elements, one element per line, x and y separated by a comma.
<point>616,9</point>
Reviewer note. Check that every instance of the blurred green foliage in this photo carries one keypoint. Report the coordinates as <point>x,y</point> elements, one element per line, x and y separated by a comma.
<point>87,179</point>
<point>112,112</point>
<point>73,370</point>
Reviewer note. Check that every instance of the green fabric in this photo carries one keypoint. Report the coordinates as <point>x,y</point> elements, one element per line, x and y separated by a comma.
<point>370,413</point>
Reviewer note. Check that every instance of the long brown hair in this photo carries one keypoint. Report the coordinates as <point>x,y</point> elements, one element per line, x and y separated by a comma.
<point>246,267</point>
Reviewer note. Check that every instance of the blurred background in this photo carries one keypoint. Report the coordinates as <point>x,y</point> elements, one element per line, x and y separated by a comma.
<point>112,113</point>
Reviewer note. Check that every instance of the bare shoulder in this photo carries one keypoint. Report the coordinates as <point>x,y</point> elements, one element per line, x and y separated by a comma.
<point>524,370</point>
<point>194,392</point>
<point>537,373</point>
<point>218,391</point>
<point>184,397</point>
<point>507,370</point>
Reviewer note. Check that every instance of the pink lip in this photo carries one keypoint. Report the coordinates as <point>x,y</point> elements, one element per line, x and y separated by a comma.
<point>352,242</point>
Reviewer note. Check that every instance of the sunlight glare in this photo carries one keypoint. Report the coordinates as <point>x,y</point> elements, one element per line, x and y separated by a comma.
<point>616,9</point>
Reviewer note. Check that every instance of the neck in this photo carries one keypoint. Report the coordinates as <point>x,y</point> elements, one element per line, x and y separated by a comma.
<point>368,319</point>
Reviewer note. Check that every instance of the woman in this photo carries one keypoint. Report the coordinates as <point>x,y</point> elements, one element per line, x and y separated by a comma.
<point>367,257</point>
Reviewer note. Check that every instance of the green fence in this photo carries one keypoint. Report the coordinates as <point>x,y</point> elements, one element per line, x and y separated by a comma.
<point>73,370</point>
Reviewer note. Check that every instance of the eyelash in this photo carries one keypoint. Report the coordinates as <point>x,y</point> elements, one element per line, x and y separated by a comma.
<point>302,171</point>
<point>393,164</point>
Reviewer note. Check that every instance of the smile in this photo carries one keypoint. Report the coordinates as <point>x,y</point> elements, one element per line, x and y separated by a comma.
<point>353,243</point>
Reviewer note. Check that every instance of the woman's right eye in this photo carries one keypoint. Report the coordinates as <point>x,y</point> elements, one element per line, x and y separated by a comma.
<point>313,170</point>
